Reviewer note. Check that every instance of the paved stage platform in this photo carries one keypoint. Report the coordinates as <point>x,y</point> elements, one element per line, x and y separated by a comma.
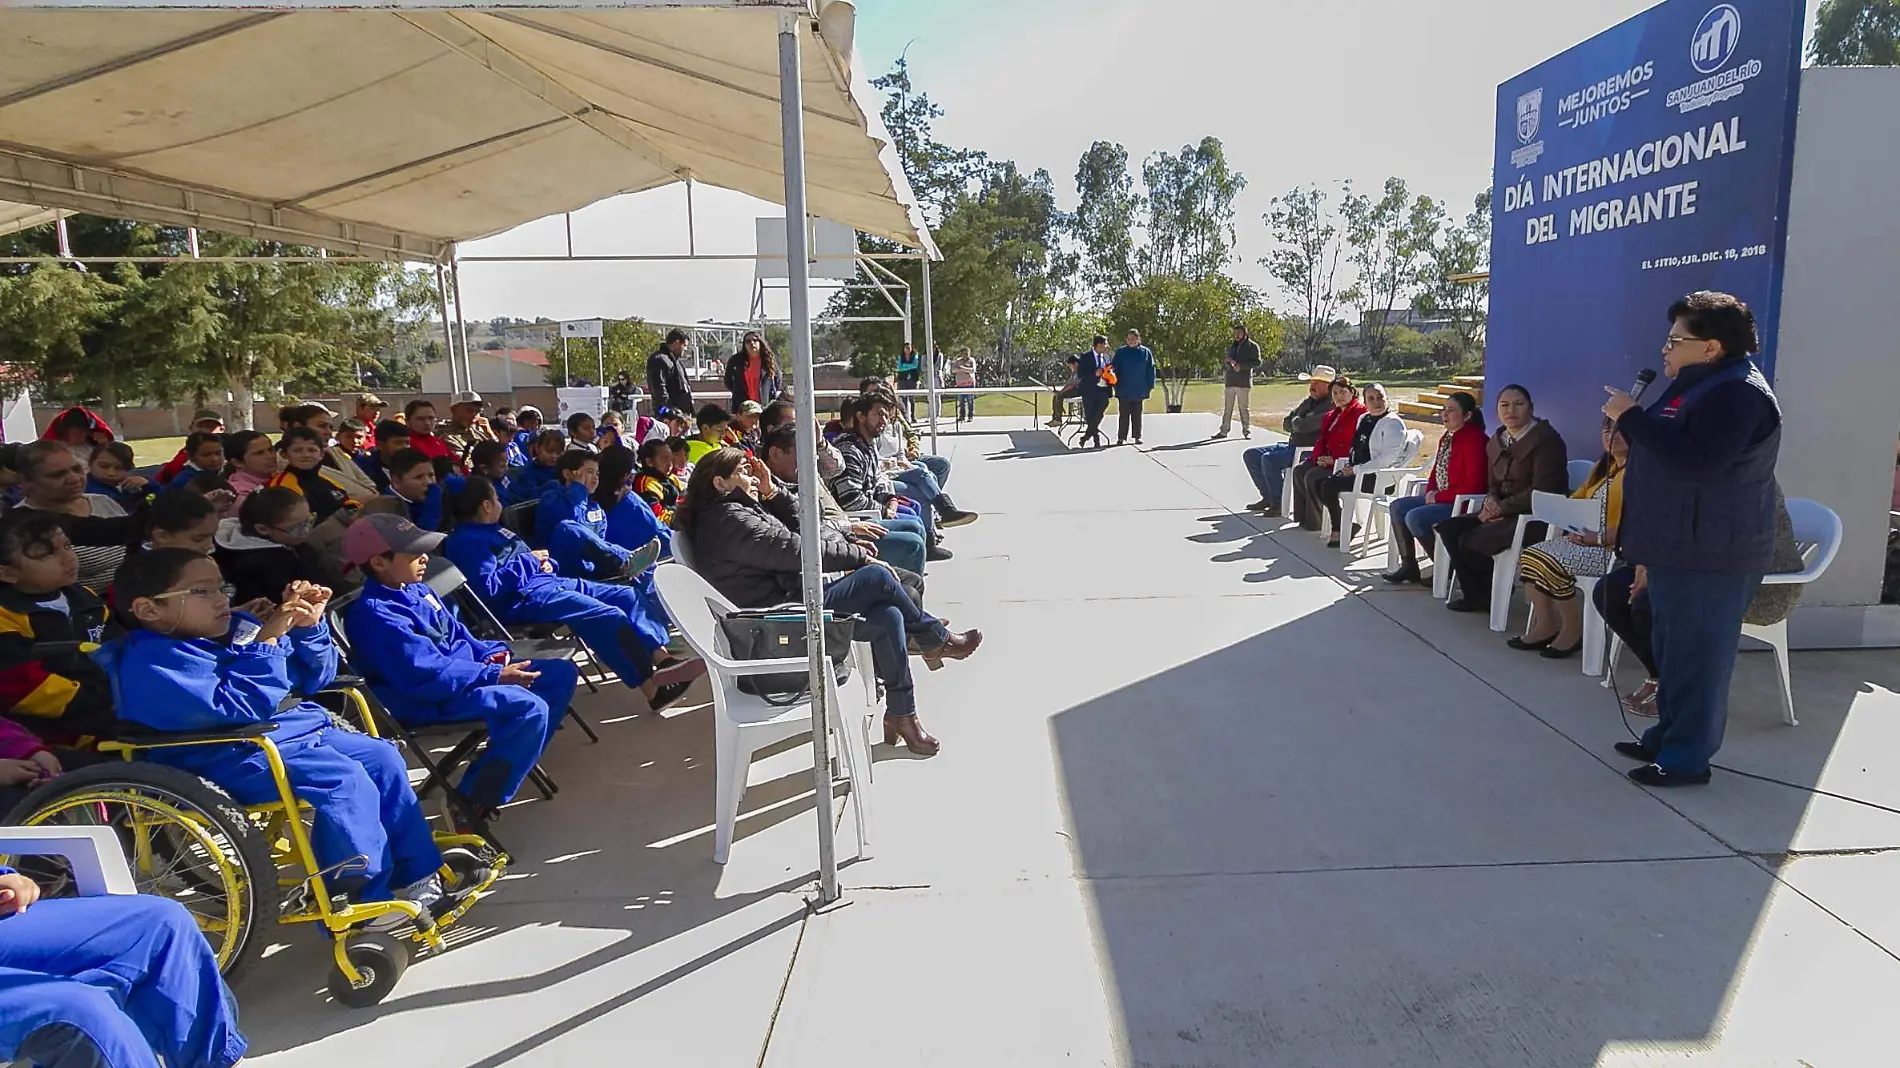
<point>1210,795</point>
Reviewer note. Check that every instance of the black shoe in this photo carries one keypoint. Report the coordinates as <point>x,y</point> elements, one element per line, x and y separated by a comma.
<point>1531,647</point>
<point>1466,604</point>
<point>1654,775</point>
<point>1554,653</point>
<point>666,695</point>
<point>1406,573</point>
<point>937,554</point>
<point>1635,751</point>
<point>957,518</point>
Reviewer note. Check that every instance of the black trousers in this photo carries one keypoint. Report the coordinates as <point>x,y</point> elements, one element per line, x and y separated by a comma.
<point>1330,487</point>
<point>1130,417</point>
<point>1473,567</point>
<point>1306,501</point>
<point>1094,408</point>
<point>1631,622</point>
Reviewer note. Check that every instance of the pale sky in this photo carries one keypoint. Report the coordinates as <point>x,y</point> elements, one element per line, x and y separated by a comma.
<point>1301,92</point>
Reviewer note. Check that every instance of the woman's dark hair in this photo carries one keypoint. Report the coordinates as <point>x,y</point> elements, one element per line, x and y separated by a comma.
<point>466,503</point>
<point>237,441</point>
<point>1468,404</point>
<point>148,574</point>
<point>405,461</point>
<point>767,361</point>
<point>175,513</point>
<point>616,470</point>
<point>118,450</point>
<point>296,434</point>
<point>267,508</point>
<point>390,430</point>
<point>1345,380</point>
<point>1719,317</point>
<point>27,531</point>
<point>1520,389</point>
<point>1602,467</point>
<point>575,459</point>
<point>700,493</point>
<point>485,452</point>
<point>35,453</point>
<point>578,420</point>
<point>652,447</point>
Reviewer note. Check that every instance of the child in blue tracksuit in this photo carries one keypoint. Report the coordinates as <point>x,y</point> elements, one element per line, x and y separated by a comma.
<point>414,481</point>
<point>573,528</point>
<point>544,459</point>
<point>196,665</point>
<point>116,981</point>
<point>426,667</point>
<point>521,587</point>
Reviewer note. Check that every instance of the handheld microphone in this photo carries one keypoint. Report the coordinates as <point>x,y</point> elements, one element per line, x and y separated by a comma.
<point>1643,378</point>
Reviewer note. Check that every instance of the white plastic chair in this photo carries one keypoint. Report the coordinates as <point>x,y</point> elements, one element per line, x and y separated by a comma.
<point>1817,525</point>
<point>1561,513</point>
<point>94,855</point>
<point>1579,472</point>
<point>1300,456</point>
<point>1463,504</point>
<point>1386,482</point>
<point>743,724</point>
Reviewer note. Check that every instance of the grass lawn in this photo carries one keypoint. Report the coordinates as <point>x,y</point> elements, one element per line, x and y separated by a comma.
<point>1267,403</point>
<point>155,450</point>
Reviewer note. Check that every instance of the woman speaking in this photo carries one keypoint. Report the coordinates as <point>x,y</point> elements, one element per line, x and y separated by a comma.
<point>1698,522</point>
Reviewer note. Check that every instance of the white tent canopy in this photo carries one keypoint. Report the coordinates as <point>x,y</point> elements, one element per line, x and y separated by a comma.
<point>393,129</point>
<point>17,217</point>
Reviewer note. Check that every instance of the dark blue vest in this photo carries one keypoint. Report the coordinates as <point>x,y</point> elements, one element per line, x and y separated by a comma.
<point>1716,520</point>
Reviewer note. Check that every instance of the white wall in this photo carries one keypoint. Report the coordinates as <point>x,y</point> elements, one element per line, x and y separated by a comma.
<point>1837,368</point>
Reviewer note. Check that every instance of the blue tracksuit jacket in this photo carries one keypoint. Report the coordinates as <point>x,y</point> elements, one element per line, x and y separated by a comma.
<point>528,483</point>
<point>574,529</point>
<point>631,524</point>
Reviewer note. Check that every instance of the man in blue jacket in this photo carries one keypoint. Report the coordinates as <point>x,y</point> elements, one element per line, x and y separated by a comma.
<point>426,668</point>
<point>520,586</point>
<point>1134,367</point>
<point>197,665</point>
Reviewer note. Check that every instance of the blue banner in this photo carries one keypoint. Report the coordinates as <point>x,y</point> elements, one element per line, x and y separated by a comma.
<point>1651,161</point>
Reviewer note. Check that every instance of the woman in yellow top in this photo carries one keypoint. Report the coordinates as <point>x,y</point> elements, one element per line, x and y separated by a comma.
<point>1550,568</point>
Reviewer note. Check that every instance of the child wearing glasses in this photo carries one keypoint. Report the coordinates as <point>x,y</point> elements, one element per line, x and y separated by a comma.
<point>265,547</point>
<point>197,665</point>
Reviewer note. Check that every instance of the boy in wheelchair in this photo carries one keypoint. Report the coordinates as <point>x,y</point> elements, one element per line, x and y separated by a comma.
<point>190,664</point>
<point>520,586</point>
<point>426,668</point>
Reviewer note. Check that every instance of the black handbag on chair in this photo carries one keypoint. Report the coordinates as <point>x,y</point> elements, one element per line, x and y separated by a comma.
<point>775,633</point>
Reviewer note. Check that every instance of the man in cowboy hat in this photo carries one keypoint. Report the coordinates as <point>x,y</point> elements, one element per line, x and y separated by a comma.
<point>1268,464</point>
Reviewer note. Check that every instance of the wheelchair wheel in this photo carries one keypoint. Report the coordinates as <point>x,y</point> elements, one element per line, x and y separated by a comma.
<point>381,959</point>
<point>184,838</point>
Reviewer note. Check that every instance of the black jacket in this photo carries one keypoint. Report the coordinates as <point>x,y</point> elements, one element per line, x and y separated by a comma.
<point>1302,423</point>
<point>860,486</point>
<point>258,567</point>
<point>771,384</point>
<point>620,395</point>
<point>63,696</point>
<point>1247,355</point>
<point>748,549</point>
<point>667,386</point>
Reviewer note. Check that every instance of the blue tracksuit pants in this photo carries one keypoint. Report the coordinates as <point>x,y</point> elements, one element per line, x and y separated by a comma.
<point>359,789</point>
<point>113,982</point>
<point>521,722</point>
<point>612,620</point>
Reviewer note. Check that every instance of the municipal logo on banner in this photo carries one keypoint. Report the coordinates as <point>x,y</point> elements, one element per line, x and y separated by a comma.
<point>1716,39</point>
<point>582,328</point>
<point>1530,120</point>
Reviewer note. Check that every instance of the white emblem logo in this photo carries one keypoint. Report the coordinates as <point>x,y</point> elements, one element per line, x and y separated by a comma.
<point>1530,115</point>
<point>1716,38</point>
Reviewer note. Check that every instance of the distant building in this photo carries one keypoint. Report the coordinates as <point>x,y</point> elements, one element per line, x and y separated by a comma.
<point>493,371</point>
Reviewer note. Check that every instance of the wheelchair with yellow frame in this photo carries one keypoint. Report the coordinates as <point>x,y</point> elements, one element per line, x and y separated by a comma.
<point>233,866</point>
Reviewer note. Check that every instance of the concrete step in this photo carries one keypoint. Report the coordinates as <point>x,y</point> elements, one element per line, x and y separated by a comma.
<point>1477,392</point>
<point>1469,381</point>
<point>1420,412</point>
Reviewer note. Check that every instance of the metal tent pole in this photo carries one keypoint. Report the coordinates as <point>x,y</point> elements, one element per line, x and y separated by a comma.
<point>461,327</point>
<point>448,336</point>
<point>930,358</point>
<point>797,259</point>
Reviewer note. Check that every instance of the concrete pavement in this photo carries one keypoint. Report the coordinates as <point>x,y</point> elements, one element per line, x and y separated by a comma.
<point>1209,795</point>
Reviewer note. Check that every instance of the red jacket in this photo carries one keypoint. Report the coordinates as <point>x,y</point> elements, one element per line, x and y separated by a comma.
<point>433,446</point>
<point>1336,430</point>
<point>95,424</point>
<point>1468,472</point>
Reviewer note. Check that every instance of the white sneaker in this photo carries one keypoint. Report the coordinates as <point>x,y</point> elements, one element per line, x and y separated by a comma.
<point>424,892</point>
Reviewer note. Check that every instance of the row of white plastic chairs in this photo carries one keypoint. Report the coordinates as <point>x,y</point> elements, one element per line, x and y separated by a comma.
<point>1816,528</point>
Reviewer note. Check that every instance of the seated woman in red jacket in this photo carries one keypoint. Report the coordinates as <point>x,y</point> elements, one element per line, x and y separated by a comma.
<point>1336,432</point>
<point>1458,469</point>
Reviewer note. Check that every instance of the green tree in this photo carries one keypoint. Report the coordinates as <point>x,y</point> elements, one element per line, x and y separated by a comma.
<point>1306,264</point>
<point>1190,210</point>
<point>938,173</point>
<point>1388,237</point>
<point>1105,217</point>
<point>1856,33</point>
<point>625,346</point>
<point>1188,322</point>
<point>1448,288</point>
